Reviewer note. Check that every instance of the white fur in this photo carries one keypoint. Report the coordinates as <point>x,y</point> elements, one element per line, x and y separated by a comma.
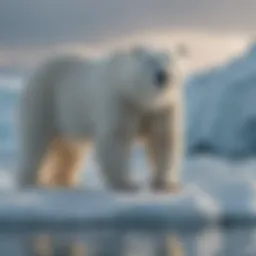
<point>107,100</point>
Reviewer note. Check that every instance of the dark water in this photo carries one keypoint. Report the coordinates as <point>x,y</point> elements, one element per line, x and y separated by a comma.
<point>207,242</point>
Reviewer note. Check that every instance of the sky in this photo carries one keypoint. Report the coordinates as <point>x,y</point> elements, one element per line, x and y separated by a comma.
<point>29,27</point>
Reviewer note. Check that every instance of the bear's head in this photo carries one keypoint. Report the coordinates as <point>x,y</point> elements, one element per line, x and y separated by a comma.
<point>146,77</point>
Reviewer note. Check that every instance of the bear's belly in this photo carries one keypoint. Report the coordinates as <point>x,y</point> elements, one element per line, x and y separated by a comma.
<point>74,129</point>
<point>73,122</point>
<point>75,125</point>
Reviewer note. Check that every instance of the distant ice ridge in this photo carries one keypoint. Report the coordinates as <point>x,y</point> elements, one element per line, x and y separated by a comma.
<point>221,108</point>
<point>11,83</point>
<point>10,87</point>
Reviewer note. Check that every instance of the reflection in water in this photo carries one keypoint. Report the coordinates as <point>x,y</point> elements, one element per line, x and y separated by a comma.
<point>209,242</point>
<point>108,243</point>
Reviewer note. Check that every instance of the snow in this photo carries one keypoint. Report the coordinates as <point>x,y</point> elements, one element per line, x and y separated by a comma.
<point>212,188</point>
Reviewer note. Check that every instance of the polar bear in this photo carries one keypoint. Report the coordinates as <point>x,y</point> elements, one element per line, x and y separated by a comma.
<point>112,101</point>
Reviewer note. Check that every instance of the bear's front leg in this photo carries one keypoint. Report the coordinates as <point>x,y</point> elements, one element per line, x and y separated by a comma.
<point>113,153</point>
<point>165,150</point>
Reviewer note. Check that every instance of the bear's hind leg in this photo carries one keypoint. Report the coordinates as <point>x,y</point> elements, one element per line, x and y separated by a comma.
<point>32,156</point>
<point>63,163</point>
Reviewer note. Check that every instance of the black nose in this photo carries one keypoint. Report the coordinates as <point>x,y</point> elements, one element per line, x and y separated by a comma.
<point>161,78</point>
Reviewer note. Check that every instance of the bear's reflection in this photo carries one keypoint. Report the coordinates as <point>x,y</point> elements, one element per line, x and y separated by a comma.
<point>109,243</point>
<point>204,242</point>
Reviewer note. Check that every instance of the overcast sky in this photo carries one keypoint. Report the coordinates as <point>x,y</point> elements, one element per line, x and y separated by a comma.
<point>44,21</point>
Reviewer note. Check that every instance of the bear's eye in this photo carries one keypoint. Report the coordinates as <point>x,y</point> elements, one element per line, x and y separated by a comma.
<point>161,78</point>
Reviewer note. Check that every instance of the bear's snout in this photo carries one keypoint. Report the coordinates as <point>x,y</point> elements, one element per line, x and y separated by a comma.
<point>161,78</point>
